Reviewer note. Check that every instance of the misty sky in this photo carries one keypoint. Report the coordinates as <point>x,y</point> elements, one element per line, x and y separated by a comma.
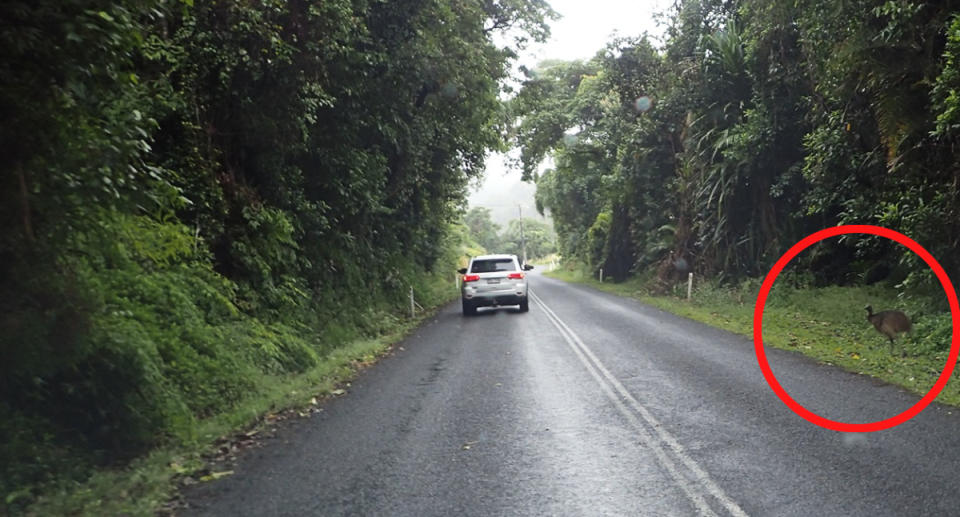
<point>587,25</point>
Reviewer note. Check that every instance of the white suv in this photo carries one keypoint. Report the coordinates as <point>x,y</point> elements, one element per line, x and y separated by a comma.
<point>494,280</point>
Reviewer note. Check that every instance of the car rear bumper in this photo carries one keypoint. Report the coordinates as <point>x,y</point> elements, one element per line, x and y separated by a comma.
<point>513,296</point>
<point>503,299</point>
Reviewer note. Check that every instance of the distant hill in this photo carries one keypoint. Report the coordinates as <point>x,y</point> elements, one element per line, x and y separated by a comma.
<point>502,191</point>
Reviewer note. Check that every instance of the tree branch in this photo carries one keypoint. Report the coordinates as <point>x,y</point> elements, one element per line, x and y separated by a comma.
<point>25,205</point>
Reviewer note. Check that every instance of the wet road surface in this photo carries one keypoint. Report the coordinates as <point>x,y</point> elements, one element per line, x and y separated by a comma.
<point>591,404</point>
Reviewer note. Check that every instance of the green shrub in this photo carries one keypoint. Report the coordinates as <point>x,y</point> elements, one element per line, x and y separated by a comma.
<point>136,340</point>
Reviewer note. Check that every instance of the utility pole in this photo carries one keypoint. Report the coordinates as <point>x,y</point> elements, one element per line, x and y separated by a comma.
<point>523,241</point>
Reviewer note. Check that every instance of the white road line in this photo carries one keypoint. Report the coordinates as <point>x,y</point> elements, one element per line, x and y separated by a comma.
<point>609,383</point>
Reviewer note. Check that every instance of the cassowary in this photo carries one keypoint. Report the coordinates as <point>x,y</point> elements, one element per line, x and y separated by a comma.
<point>889,323</point>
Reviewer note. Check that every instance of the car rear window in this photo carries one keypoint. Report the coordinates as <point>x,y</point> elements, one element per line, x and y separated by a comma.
<point>491,265</point>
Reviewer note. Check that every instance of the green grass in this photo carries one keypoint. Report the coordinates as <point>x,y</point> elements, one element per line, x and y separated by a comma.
<point>828,324</point>
<point>148,483</point>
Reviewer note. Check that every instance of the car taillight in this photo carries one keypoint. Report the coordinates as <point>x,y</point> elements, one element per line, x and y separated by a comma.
<point>517,276</point>
<point>471,278</point>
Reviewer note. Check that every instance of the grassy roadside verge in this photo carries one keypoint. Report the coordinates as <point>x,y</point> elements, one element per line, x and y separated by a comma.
<point>827,324</point>
<point>146,485</point>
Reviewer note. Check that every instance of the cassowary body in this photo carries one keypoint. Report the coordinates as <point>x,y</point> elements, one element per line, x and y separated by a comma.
<point>889,323</point>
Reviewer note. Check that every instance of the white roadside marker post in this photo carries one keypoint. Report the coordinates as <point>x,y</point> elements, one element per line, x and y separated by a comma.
<point>689,285</point>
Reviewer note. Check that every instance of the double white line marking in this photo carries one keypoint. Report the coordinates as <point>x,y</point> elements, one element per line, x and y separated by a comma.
<point>695,483</point>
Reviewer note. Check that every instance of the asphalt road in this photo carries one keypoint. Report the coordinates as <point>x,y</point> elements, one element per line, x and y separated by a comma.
<point>591,404</point>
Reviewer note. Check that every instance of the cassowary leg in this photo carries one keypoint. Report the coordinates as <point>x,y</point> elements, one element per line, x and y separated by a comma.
<point>903,350</point>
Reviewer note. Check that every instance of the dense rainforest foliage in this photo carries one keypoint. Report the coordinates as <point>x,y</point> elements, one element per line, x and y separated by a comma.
<point>755,124</point>
<point>200,195</point>
<point>537,238</point>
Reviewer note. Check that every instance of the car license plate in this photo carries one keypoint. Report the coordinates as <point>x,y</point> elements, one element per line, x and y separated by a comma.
<point>493,281</point>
